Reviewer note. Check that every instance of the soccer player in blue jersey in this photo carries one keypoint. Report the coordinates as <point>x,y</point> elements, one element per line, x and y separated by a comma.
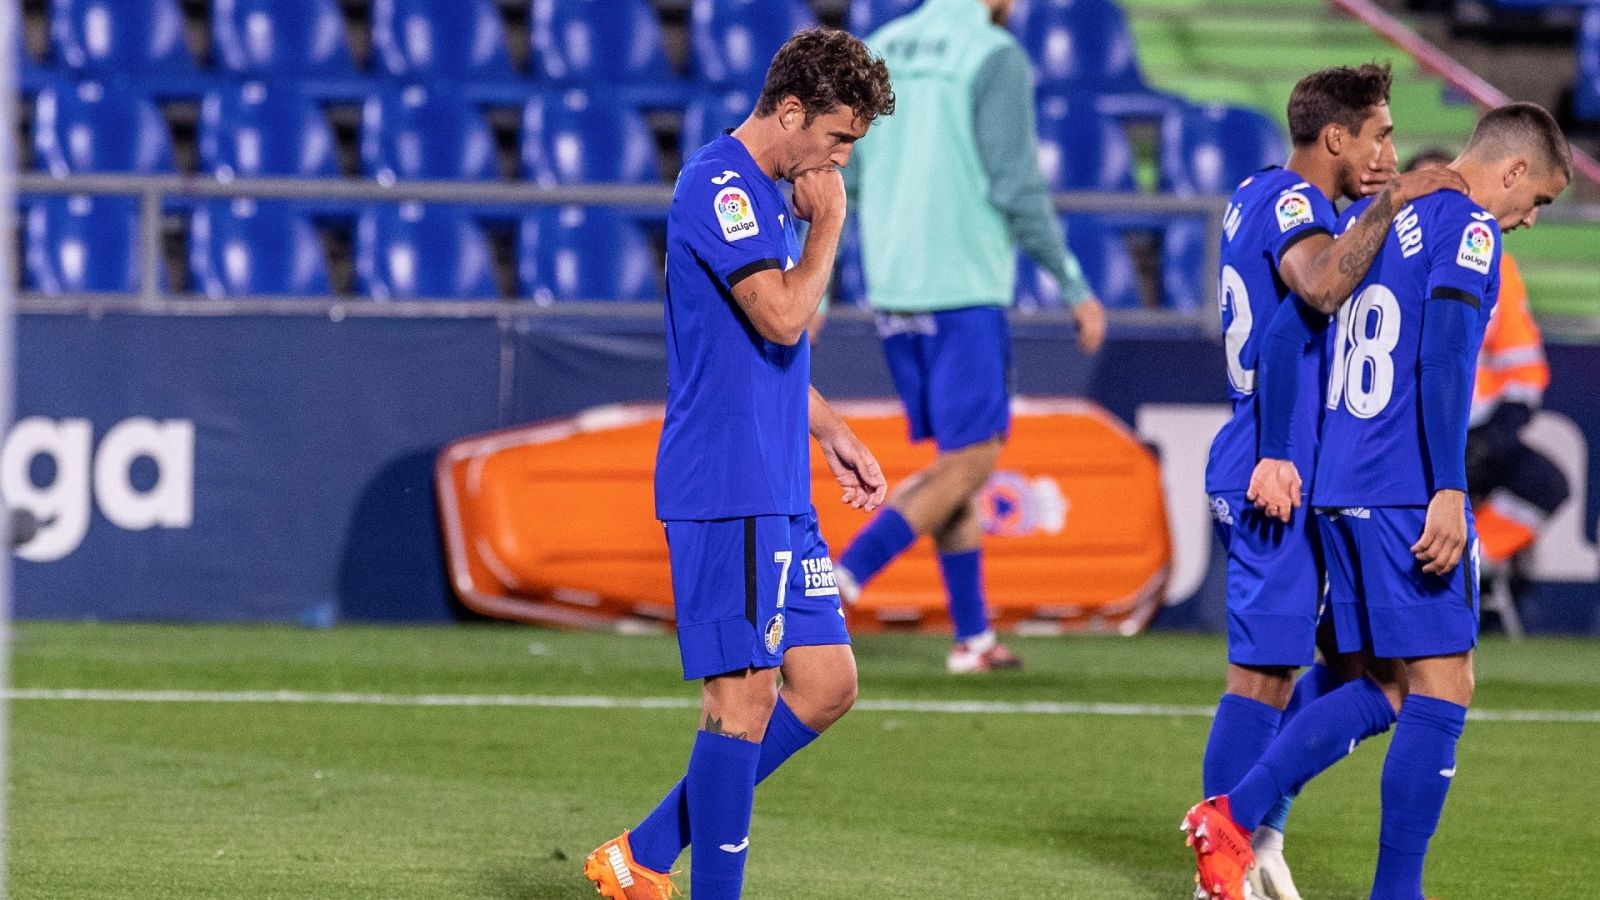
<point>751,578</point>
<point>1390,493</point>
<point>1278,243</point>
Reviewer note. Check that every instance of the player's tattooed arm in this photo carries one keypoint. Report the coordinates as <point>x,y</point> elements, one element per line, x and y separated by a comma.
<point>1324,270</point>
<point>714,725</point>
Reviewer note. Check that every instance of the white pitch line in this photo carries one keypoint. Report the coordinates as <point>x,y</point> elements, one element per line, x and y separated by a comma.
<point>546,701</point>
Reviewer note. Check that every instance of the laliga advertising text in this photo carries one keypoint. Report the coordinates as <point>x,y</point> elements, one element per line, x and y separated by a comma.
<point>62,505</point>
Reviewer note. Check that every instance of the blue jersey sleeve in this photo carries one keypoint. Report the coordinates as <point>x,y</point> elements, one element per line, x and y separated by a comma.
<point>1298,213</point>
<point>1463,267</point>
<point>735,229</point>
<point>1295,329</point>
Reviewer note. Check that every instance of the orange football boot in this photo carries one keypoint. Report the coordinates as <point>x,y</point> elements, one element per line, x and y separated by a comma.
<point>1222,854</point>
<point>618,877</point>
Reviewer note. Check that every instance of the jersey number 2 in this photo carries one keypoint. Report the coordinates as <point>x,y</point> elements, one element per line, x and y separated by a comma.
<point>1232,295</point>
<point>1368,328</point>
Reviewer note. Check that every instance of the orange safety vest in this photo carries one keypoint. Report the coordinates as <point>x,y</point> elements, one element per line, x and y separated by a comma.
<point>1511,365</point>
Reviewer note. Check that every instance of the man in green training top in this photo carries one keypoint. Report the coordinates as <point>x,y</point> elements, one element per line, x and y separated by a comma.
<point>946,193</point>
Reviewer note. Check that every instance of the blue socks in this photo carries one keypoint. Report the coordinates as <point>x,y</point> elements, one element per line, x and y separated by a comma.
<point>963,582</point>
<point>1313,684</point>
<point>1240,733</point>
<point>1319,736</point>
<point>661,837</point>
<point>885,537</point>
<point>1416,776</point>
<point>720,789</point>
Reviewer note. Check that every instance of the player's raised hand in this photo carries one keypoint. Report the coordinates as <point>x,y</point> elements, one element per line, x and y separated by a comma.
<point>1275,488</point>
<point>1090,317</point>
<point>855,467</point>
<point>1444,533</point>
<point>1421,182</point>
<point>819,194</point>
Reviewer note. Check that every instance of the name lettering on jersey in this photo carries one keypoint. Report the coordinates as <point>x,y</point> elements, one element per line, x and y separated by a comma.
<point>726,176</point>
<point>820,581</point>
<point>1230,222</point>
<point>1293,210</point>
<point>1477,248</point>
<point>736,215</point>
<point>1408,228</point>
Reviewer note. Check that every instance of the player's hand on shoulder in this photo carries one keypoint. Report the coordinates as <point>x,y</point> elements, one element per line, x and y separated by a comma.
<point>1444,533</point>
<point>819,194</point>
<point>1377,176</point>
<point>1090,317</point>
<point>1424,181</point>
<point>1275,488</point>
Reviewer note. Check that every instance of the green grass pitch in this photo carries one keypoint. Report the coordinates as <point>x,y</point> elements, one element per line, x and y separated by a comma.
<point>314,800</point>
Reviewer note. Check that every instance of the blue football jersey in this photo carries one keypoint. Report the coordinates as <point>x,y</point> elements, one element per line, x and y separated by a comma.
<point>1374,451</point>
<point>734,442</point>
<point>1270,212</point>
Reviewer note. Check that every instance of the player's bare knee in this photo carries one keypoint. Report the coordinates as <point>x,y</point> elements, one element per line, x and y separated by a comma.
<point>1272,685</point>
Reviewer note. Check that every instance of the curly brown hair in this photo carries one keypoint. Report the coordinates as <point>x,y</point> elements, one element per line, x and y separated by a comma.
<point>1338,96</point>
<point>825,68</point>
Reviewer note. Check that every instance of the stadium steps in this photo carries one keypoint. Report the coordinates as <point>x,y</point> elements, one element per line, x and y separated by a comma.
<point>1251,53</point>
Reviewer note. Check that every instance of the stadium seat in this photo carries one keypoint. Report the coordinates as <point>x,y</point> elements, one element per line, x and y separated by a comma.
<point>1183,264</point>
<point>242,247</point>
<point>460,39</point>
<point>1078,45</point>
<point>411,251</point>
<point>734,40</point>
<point>709,115</point>
<point>585,253</point>
<point>296,37</point>
<point>849,270</point>
<point>124,36</point>
<point>251,130</point>
<point>577,136</point>
<point>867,16</point>
<point>417,132</point>
<point>83,244</point>
<point>1586,93</point>
<point>598,42</point>
<point>1211,149</point>
<point>1080,149</point>
<point>94,126</point>
<point>1107,266</point>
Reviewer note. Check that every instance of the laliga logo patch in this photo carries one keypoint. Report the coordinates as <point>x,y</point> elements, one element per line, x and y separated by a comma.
<point>774,633</point>
<point>1293,209</point>
<point>1012,505</point>
<point>1477,248</point>
<point>736,216</point>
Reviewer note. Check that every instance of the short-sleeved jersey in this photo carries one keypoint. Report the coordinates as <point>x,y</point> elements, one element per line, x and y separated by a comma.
<point>1270,212</point>
<point>1441,248</point>
<point>734,442</point>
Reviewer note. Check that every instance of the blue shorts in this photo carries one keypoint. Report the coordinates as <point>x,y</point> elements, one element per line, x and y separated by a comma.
<point>1382,600</point>
<point>1275,582</point>
<point>952,370</point>
<point>745,590</point>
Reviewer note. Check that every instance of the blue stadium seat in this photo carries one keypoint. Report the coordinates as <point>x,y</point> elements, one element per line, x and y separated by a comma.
<point>579,253</point>
<point>126,36</point>
<point>1183,264</point>
<point>1586,93</point>
<point>83,244</point>
<point>242,247</point>
<point>709,115</point>
<point>1211,149</point>
<point>418,132</point>
<point>413,251</point>
<point>867,16</point>
<point>251,130</point>
<point>1078,45</point>
<point>296,37</point>
<point>734,40</point>
<point>1081,149</point>
<point>598,42</point>
<point>577,136</point>
<point>1107,266</point>
<point>459,39</point>
<point>94,126</point>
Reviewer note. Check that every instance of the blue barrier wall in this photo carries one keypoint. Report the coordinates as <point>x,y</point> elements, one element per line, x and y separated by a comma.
<point>311,441</point>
